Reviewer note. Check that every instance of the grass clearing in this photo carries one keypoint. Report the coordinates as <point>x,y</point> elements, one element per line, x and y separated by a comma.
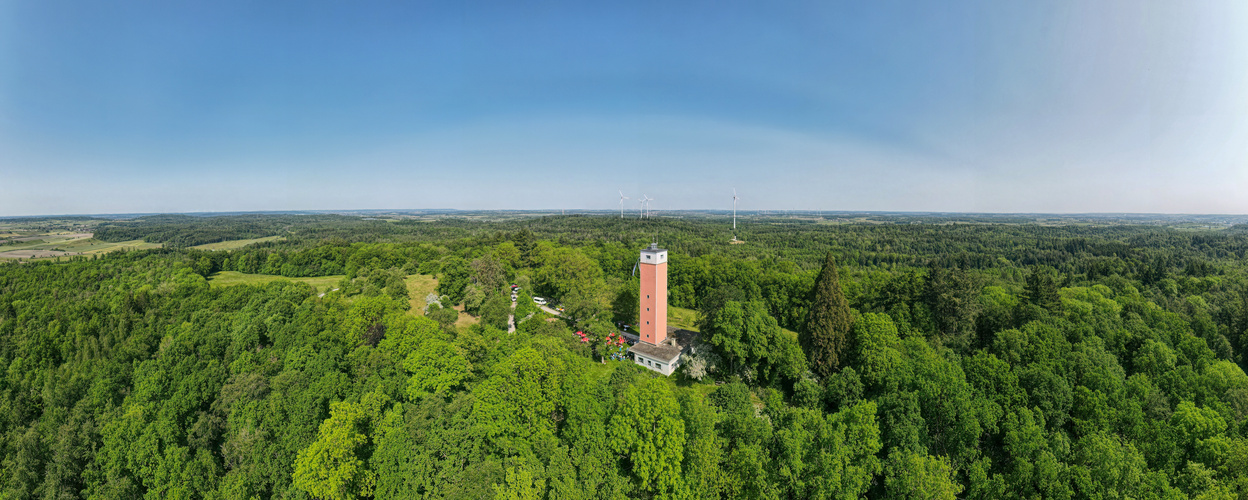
<point>230,278</point>
<point>419,286</point>
<point>682,318</point>
<point>465,319</point>
<point>234,244</point>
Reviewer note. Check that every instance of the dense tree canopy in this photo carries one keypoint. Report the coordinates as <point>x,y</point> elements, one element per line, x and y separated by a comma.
<point>967,359</point>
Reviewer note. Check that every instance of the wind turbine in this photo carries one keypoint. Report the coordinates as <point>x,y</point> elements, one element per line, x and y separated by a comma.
<point>622,198</point>
<point>734,209</point>
<point>644,205</point>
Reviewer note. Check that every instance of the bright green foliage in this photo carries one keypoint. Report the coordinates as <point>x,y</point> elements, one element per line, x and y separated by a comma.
<point>363,314</point>
<point>398,470</point>
<point>648,430</point>
<point>589,404</point>
<point>127,376</point>
<point>495,310</point>
<point>703,447</point>
<point>878,345</point>
<point>445,316</point>
<point>921,477</point>
<point>564,272</point>
<point>455,276</point>
<point>436,367</point>
<point>1034,469</point>
<point>407,333</point>
<point>750,339</point>
<point>515,408</point>
<point>520,485</point>
<point>1192,425</point>
<point>524,305</point>
<point>847,460</point>
<point>825,336</point>
<point>1111,468</point>
<point>331,467</point>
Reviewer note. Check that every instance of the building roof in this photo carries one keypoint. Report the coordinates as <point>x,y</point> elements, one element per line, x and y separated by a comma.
<point>662,352</point>
<point>653,248</point>
<point>670,349</point>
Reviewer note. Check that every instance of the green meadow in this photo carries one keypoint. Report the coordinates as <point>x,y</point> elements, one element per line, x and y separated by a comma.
<point>230,278</point>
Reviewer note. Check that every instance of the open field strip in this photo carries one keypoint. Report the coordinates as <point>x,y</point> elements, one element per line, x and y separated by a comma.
<point>234,244</point>
<point>230,278</point>
<point>93,246</point>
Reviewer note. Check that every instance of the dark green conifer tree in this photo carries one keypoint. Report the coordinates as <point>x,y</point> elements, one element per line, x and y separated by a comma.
<point>825,336</point>
<point>1042,290</point>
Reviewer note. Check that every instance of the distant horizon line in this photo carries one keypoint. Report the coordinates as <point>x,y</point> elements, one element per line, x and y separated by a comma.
<point>562,211</point>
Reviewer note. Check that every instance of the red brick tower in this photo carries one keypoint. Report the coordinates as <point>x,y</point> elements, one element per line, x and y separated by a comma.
<point>652,316</point>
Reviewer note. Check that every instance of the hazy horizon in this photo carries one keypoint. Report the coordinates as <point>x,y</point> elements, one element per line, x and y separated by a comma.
<point>1062,107</point>
<point>631,214</point>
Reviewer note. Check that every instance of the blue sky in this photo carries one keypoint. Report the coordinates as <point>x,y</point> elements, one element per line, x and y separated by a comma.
<point>1063,106</point>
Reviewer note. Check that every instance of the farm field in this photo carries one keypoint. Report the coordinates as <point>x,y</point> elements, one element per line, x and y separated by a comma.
<point>230,278</point>
<point>66,245</point>
<point>234,244</point>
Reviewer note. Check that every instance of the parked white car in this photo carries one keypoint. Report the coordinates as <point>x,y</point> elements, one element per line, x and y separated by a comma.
<point>539,301</point>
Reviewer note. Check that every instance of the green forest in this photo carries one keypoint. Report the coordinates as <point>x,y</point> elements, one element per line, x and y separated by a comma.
<point>896,358</point>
